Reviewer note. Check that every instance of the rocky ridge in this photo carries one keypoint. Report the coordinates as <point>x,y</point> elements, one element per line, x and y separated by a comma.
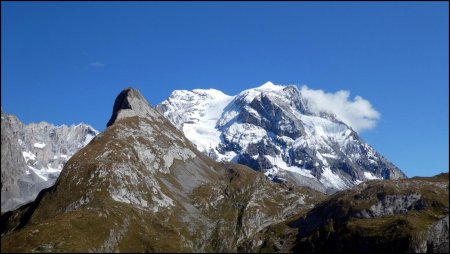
<point>33,155</point>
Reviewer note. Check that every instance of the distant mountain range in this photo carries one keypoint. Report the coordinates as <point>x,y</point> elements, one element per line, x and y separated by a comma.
<point>33,155</point>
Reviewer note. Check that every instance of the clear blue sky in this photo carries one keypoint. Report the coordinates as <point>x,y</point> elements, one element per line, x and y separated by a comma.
<point>65,62</point>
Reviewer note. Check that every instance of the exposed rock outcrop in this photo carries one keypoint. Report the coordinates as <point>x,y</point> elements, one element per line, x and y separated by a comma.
<point>393,204</point>
<point>401,216</point>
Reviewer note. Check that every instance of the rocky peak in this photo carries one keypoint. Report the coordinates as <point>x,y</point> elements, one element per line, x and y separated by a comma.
<point>131,103</point>
<point>269,86</point>
<point>273,114</point>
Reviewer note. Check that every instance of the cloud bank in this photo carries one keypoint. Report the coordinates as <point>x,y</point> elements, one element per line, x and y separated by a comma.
<point>357,113</point>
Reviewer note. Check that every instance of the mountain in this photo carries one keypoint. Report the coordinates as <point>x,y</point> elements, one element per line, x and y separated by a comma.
<point>390,216</point>
<point>273,129</point>
<point>142,186</point>
<point>33,155</point>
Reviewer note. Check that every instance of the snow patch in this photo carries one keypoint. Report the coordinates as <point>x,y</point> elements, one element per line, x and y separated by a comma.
<point>356,182</point>
<point>329,155</point>
<point>370,176</point>
<point>39,145</point>
<point>332,180</point>
<point>250,94</point>
<point>28,156</point>
<point>279,163</point>
<point>88,139</point>
<point>244,134</point>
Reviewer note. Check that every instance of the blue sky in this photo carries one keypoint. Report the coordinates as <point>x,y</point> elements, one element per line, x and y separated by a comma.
<point>65,62</point>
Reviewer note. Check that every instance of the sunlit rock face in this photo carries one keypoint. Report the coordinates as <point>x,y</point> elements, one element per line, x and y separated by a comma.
<point>33,156</point>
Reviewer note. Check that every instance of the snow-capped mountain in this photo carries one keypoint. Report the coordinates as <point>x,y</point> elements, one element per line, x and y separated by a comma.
<point>272,129</point>
<point>33,155</point>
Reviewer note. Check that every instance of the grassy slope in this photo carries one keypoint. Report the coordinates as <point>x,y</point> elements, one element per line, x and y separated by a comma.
<point>332,227</point>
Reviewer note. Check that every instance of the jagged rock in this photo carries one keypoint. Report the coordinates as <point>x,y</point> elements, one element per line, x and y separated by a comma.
<point>272,114</point>
<point>393,204</point>
<point>13,164</point>
<point>130,103</point>
<point>33,156</point>
<point>436,240</point>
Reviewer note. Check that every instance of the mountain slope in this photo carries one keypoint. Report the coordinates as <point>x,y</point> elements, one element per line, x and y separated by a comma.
<point>142,186</point>
<point>33,156</point>
<point>272,129</point>
<point>401,216</point>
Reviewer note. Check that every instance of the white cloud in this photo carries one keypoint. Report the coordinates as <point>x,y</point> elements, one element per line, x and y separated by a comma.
<point>357,113</point>
<point>96,64</point>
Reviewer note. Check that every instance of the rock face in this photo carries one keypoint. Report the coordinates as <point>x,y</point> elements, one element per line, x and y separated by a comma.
<point>33,156</point>
<point>436,240</point>
<point>393,204</point>
<point>142,186</point>
<point>401,216</point>
<point>272,130</point>
<point>13,164</point>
